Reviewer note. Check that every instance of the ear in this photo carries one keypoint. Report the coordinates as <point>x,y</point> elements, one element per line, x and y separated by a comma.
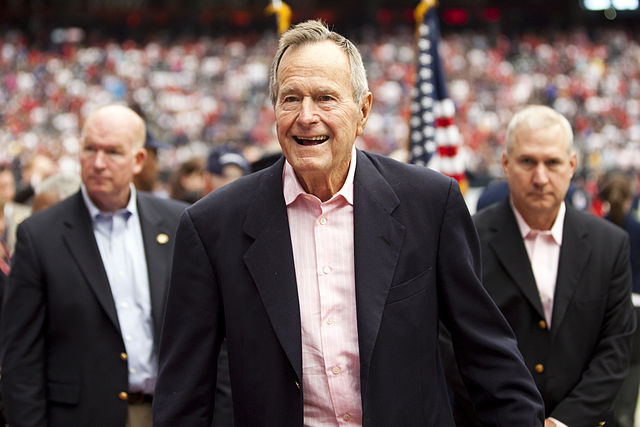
<point>573,163</point>
<point>139,156</point>
<point>505,164</point>
<point>365,109</point>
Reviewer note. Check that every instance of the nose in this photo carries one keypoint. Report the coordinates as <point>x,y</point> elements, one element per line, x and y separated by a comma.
<point>540,174</point>
<point>99,160</point>
<point>307,111</point>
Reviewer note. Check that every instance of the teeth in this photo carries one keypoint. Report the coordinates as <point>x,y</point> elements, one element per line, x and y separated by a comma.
<point>313,138</point>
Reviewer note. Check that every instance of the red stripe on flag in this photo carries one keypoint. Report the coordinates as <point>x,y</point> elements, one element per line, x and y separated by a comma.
<point>443,122</point>
<point>448,150</point>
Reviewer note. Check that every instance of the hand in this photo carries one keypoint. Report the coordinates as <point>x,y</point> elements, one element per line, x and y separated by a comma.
<point>549,423</point>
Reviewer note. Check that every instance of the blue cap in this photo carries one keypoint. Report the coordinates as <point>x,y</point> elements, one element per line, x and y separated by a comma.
<point>151,142</point>
<point>219,157</point>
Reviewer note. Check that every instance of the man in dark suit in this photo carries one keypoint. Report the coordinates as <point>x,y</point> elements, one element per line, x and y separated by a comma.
<point>560,276</point>
<point>84,300</point>
<point>328,273</point>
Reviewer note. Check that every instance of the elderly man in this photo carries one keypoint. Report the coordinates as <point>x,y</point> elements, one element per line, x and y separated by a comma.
<point>328,273</point>
<point>84,300</point>
<point>561,277</point>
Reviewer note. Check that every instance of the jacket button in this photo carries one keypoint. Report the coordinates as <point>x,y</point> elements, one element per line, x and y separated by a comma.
<point>542,324</point>
<point>539,368</point>
<point>123,356</point>
<point>298,385</point>
<point>123,395</point>
<point>601,423</point>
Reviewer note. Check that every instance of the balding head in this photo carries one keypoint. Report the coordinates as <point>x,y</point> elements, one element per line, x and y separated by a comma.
<point>102,120</point>
<point>112,153</point>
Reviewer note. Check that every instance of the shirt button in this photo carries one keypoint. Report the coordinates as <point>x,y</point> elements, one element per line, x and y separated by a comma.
<point>128,338</point>
<point>120,273</point>
<point>326,269</point>
<point>132,371</point>
<point>336,370</point>
<point>346,417</point>
<point>124,305</point>
<point>330,321</point>
<point>323,221</point>
<point>539,368</point>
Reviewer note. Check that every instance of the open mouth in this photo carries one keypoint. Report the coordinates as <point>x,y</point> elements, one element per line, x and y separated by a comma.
<point>311,140</point>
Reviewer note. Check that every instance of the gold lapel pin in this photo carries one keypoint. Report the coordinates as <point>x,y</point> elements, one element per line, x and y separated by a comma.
<point>162,238</point>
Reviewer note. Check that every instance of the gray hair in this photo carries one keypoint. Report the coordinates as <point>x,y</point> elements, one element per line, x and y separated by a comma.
<point>316,31</point>
<point>61,184</point>
<point>537,117</point>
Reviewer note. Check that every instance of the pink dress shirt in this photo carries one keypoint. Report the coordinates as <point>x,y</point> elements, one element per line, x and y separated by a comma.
<point>543,248</point>
<point>323,253</point>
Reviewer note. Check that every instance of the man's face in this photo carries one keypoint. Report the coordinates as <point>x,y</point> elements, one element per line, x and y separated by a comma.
<point>539,170</point>
<point>108,161</point>
<point>7,187</point>
<point>317,120</point>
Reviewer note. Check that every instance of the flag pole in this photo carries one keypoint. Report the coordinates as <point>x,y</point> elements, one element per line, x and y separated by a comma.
<point>282,12</point>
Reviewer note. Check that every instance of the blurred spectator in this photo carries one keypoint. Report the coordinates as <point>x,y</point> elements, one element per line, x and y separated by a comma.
<point>11,214</point>
<point>224,165</point>
<point>38,168</point>
<point>54,189</point>
<point>617,192</point>
<point>147,178</point>
<point>187,182</point>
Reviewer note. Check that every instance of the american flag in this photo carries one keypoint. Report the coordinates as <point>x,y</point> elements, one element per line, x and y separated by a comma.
<point>434,138</point>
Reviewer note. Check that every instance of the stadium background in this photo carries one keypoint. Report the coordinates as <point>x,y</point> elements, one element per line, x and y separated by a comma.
<point>198,73</point>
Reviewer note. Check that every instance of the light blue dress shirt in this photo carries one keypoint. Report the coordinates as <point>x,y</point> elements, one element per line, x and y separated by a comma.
<point>119,239</point>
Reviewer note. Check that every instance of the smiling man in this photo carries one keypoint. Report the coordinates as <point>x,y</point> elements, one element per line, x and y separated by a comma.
<point>328,273</point>
<point>561,277</point>
<point>84,299</point>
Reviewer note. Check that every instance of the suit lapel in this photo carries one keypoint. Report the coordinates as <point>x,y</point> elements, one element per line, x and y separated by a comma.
<point>81,242</point>
<point>378,238</point>
<point>510,250</point>
<point>157,247</point>
<point>574,254</point>
<point>270,262</point>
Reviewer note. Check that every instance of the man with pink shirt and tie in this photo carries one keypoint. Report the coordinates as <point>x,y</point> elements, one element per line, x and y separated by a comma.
<point>561,277</point>
<point>329,273</point>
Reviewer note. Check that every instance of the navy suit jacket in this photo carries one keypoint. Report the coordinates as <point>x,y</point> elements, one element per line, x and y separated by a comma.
<point>579,363</point>
<point>61,337</point>
<point>416,262</point>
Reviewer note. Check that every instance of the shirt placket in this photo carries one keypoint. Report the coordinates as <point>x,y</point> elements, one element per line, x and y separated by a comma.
<point>330,321</point>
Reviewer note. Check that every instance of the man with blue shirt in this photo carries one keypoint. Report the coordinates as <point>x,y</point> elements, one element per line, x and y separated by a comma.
<point>84,301</point>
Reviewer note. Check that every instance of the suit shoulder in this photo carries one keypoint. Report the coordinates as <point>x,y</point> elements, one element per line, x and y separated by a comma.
<point>54,214</point>
<point>171,205</point>
<point>600,227</point>
<point>391,167</point>
<point>232,197</point>
<point>411,181</point>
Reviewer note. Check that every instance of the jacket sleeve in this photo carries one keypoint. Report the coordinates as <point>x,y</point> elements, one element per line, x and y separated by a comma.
<point>23,346</point>
<point>191,336</point>
<point>602,378</point>
<point>499,384</point>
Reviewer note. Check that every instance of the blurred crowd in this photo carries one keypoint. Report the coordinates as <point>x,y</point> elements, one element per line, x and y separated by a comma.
<point>199,93</point>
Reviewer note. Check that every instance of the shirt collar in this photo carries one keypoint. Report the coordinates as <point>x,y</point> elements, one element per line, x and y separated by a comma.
<point>94,211</point>
<point>556,229</point>
<point>292,189</point>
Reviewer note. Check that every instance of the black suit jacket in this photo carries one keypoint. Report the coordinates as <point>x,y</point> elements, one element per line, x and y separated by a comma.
<point>579,363</point>
<point>61,336</point>
<point>416,261</point>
